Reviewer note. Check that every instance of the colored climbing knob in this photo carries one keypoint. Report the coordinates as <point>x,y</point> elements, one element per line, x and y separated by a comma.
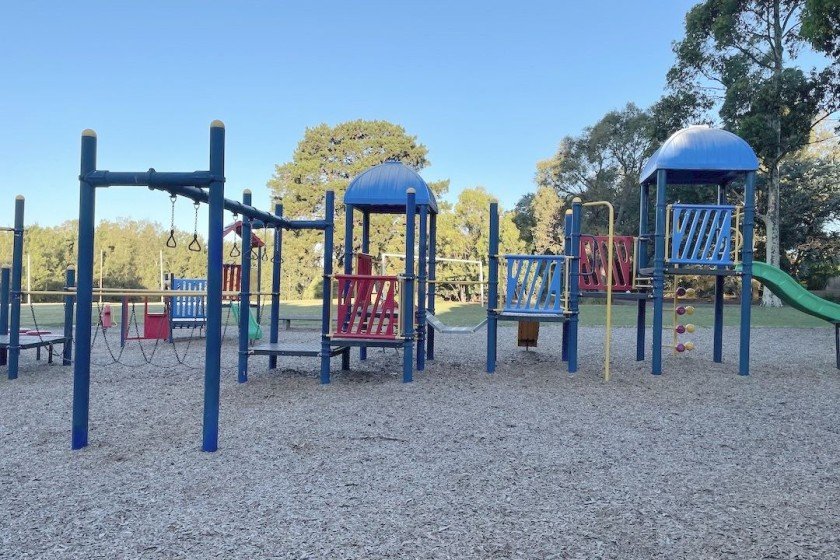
<point>689,310</point>
<point>680,292</point>
<point>690,292</point>
<point>680,347</point>
<point>680,329</point>
<point>689,328</point>
<point>689,346</point>
<point>681,310</point>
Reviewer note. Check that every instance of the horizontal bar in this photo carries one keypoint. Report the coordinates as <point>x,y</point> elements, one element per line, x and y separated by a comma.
<point>150,178</point>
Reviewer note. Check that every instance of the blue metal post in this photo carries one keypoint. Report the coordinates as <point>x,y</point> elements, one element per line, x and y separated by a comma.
<point>642,257</point>
<point>327,288</point>
<point>407,313</point>
<point>574,290</point>
<point>421,288</point>
<point>4,308</point>
<point>260,251</point>
<point>348,269</point>
<point>641,308</point>
<point>366,250</point>
<point>746,276</point>
<point>659,270</point>
<point>492,286</point>
<point>567,250</point>
<point>14,292</point>
<point>717,339</point>
<point>430,331</point>
<point>69,300</point>
<point>213,346</point>
<point>245,292</point>
<point>84,293</point>
<point>274,327</point>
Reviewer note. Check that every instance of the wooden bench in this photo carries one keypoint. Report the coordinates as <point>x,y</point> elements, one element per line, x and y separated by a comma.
<point>287,319</point>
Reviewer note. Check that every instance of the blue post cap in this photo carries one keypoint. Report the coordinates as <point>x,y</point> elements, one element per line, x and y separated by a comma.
<point>89,132</point>
<point>217,124</point>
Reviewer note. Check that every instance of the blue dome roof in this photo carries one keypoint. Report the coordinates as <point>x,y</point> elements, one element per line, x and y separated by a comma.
<point>701,155</point>
<point>382,189</point>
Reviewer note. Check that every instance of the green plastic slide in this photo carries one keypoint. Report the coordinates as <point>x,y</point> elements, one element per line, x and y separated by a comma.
<point>793,294</point>
<point>254,329</point>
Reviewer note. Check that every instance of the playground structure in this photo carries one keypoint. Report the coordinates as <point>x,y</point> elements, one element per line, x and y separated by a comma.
<point>13,338</point>
<point>710,239</point>
<point>398,311</point>
<point>202,187</point>
<point>379,310</point>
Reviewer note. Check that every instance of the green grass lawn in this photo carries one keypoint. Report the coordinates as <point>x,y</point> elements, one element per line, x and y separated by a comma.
<point>460,314</point>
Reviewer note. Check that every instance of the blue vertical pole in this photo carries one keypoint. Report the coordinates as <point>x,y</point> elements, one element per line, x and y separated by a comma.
<point>274,327</point>
<point>366,250</point>
<point>4,308</point>
<point>348,239</point>
<point>492,286</point>
<point>69,300</point>
<point>407,313</point>
<point>746,275</point>
<point>84,293</point>
<point>421,288</point>
<point>430,331</point>
<point>641,308</point>
<point>659,270</point>
<point>574,290</point>
<point>717,342</point>
<point>245,291</point>
<point>567,250</point>
<point>348,269</point>
<point>327,287</point>
<point>14,292</point>
<point>213,346</point>
<point>641,261</point>
<point>642,257</point>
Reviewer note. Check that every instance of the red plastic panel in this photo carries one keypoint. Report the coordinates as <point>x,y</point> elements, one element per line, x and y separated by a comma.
<point>367,307</point>
<point>364,264</point>
<point>231,280</point>
<point>593,256</point>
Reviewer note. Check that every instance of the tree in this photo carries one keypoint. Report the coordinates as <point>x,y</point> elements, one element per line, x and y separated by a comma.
<point>327,158</point>
<point>810,193</point>
<point>463,233</point>
<point>604,163</point>
<point>740,54</point>
<point>549,222</point>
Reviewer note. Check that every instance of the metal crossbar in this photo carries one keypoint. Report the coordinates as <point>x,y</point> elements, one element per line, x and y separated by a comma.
<point>593,260</point>
<point>367,307</point>
<point>534,284</point>
<point>701,234</point>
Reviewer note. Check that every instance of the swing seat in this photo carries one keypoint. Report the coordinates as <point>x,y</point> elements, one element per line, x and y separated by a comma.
<point>156,326</point>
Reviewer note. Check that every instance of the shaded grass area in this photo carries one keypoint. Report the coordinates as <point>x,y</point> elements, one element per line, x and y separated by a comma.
<point>466,314</point>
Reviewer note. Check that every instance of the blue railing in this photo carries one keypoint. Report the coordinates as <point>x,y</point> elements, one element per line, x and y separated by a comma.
<point>701,234</point>
<point>534,284</point>
<point>183,308</point>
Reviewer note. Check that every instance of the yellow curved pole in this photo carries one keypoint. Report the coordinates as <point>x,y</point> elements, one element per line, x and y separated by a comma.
<point>610,242</point>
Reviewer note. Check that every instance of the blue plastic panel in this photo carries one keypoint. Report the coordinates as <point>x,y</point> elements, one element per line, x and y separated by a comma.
<point>534,284</point>
<point>701,234</point>
<point>188,307</point>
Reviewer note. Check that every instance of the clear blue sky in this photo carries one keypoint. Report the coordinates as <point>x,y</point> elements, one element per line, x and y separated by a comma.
<point>489,87</point>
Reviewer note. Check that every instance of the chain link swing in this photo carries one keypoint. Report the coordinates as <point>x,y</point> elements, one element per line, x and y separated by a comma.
<point>234,251</point>
<point>170,242</point>
<point>195,244</point>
